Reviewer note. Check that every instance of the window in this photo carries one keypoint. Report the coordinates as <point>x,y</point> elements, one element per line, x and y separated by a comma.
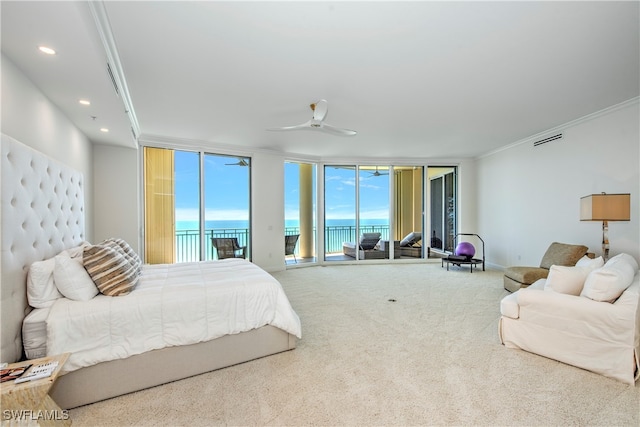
<point>191,197</point>
<point>299,210</point>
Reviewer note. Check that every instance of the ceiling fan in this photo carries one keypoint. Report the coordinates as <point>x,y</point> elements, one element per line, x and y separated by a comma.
<point>240,162</point>
<point>378,173</point>
<point>319,109</point>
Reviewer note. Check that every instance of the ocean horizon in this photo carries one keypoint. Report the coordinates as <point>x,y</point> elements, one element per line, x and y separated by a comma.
<point>290,223</point>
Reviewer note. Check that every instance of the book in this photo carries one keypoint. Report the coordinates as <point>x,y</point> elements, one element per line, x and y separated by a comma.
<point>9,374</point>
<point>41,370</point>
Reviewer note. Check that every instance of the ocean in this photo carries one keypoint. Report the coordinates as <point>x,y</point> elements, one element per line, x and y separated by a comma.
<point>243,224</point>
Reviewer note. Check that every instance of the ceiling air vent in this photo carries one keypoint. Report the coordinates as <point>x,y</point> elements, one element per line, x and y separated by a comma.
<point>549,139</point>
<point>113,79</point>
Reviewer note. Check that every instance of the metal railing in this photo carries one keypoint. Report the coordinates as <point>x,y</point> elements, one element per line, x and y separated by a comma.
<point>188,241</point>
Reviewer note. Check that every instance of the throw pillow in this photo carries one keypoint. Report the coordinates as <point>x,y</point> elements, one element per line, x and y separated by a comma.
<point>129,253</point>
<point>112,273</point>
<point>608,283</point>
<point>594,263</point>
<point>566,280</point>
<point>41,289</point>
<point>72,279</point>
<point>623,259</point>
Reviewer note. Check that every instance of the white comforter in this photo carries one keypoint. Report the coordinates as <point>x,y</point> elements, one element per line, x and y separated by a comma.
<point>173,304</point>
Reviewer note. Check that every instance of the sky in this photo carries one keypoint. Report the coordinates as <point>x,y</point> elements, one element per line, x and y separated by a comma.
<point>227,190</point>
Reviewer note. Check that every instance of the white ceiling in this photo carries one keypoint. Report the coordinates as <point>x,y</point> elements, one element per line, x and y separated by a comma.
<point>415,79</point>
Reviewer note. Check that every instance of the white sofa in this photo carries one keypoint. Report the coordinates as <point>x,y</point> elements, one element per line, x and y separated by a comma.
<point>586,316</point>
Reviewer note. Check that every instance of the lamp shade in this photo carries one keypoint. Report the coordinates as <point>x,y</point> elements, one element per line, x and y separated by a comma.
<point>605,207</point>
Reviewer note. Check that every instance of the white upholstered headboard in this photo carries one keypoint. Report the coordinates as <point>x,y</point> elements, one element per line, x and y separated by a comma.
<point>42,214</point>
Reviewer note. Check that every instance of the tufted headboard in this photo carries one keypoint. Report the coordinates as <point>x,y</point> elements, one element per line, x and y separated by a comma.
<point>42,214</point>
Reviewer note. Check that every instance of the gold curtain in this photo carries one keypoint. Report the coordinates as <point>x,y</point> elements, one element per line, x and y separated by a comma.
<point>159,206</point>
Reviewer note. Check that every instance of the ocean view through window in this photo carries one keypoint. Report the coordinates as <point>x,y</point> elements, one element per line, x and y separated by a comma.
<point>188,238</point>
<point>208,196</point>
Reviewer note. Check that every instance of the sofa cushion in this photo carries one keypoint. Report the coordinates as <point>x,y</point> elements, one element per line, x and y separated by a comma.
<point>623,259</point>
<point>567,280</point>
<point>593,263</point>
<point>562,254</point>
<point>609,282</point>
<point>526,275</point>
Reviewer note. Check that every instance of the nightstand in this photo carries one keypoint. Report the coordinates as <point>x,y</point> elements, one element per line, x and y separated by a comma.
<point>29,403</point>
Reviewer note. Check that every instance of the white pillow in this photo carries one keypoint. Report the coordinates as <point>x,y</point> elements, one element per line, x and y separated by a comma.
<point>585,261</point>
<point>566,280</point>
<point>623,259</point>
<point>76,252</point>
<point>72,280</point>
<point>41,290</point>
<point>609,282</point>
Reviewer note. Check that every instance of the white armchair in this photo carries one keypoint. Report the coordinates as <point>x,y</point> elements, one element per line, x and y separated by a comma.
<point>599,336</point>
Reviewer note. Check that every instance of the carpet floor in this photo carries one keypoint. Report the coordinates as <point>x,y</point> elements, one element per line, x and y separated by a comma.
<point>401,344</point>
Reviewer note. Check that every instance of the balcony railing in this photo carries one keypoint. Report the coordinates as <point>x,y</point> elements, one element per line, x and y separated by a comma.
<point>188,241</point>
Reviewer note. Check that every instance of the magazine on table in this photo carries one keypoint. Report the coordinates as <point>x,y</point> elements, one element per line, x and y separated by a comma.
<point>41,370</point>
<point>10,374</point>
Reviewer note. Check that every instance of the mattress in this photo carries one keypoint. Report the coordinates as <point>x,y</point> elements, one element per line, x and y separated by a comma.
<point>34,333</point>
<point>172,305</point>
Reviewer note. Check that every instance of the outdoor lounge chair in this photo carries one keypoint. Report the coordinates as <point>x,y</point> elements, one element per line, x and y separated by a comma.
<point>228,247</point>
<point>409,246</point>
<point>290,243</point>
<point>366,246</point>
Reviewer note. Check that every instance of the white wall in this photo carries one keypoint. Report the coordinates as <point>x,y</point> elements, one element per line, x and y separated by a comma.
<point>29,117</point>
<point>267,189</point>
<point>117,190</point>
<point>529,197</point>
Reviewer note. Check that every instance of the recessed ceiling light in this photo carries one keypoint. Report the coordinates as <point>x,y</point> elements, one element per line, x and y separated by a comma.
<point>84,102</point>
<point>47,50</point>
<point>104,130</point>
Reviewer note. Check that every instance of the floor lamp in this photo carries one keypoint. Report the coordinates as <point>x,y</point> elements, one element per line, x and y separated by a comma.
<point>605,207</point>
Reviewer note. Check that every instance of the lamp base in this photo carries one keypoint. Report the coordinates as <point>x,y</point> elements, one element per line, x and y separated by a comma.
<point>605,240</point>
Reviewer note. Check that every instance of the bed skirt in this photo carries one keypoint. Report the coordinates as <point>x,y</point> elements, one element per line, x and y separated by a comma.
<point>110,379</point>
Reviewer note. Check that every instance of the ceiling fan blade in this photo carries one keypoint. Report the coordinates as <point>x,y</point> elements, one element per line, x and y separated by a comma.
<point>320,110</point>
<point>303,126</point>
<point>337,131</point>
<point>240,162</point>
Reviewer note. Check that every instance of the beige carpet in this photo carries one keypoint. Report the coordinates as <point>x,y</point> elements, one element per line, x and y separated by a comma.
<point>408,344</point>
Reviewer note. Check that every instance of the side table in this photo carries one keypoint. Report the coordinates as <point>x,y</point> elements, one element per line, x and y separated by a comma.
<point>29,403</point>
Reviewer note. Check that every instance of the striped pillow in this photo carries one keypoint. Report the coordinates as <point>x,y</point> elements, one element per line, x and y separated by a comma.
<point>129,253</point>
<point>109,268</point>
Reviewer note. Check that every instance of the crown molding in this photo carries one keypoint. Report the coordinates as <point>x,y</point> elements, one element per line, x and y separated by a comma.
<point>564,126</point>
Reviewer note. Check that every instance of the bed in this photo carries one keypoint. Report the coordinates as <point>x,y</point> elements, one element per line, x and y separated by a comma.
<point>42,218</point>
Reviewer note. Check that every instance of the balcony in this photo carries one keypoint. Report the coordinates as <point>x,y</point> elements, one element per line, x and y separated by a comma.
<point>188,241</point>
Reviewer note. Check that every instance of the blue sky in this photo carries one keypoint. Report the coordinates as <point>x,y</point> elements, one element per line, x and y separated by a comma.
<point>227,190</point>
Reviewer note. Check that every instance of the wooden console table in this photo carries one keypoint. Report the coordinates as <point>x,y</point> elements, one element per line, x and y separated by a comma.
<point>29,403</point>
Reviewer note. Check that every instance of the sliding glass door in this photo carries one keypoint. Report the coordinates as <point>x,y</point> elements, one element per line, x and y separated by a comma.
<point>409,208</point>
<point>191,197</point>
<point>444,207</point>
<point>339,212</point>
<point>299,212</point>
<point>227,203</point>
<point>373,212</point>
